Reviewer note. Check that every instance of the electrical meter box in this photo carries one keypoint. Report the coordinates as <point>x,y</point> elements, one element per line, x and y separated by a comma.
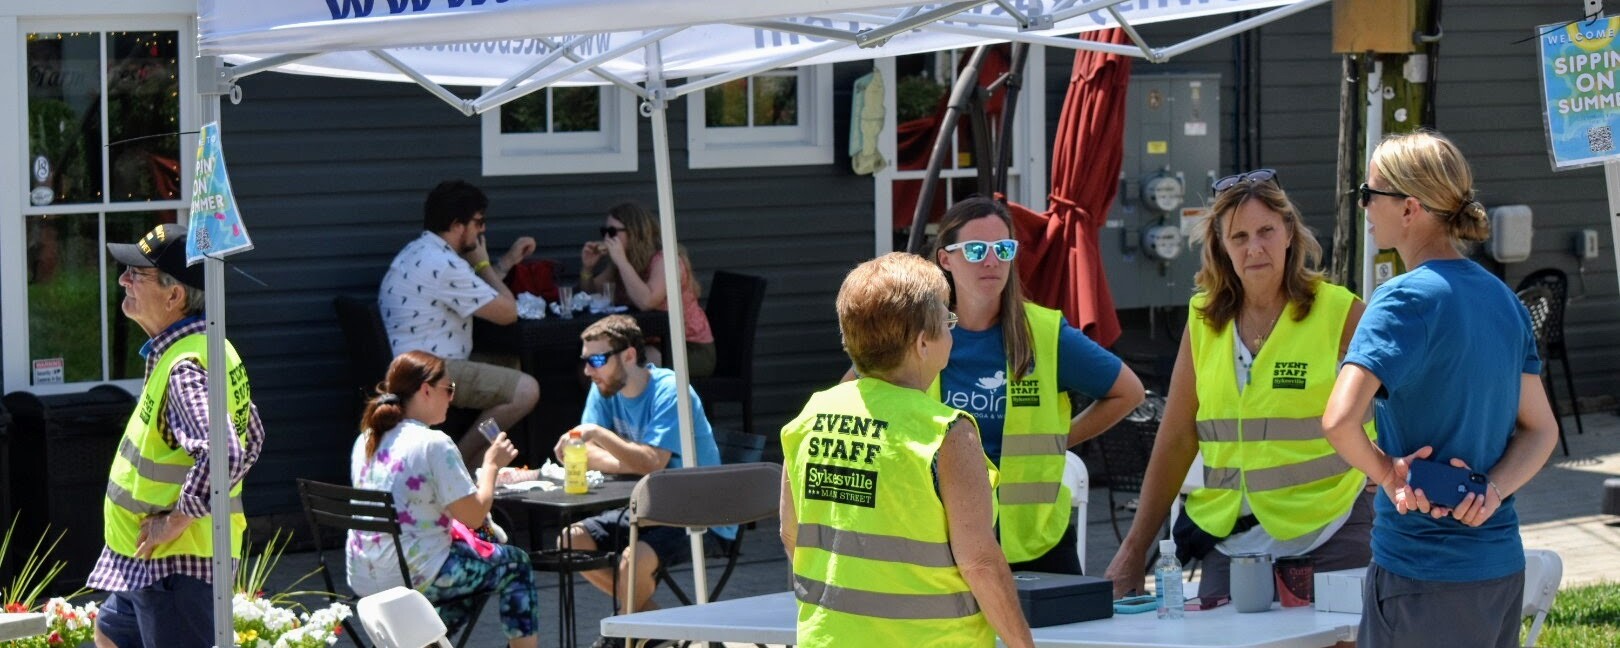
<point>1172,154</point>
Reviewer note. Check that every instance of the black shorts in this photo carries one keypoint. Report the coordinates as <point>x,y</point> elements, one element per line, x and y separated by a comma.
<point>611,532</point>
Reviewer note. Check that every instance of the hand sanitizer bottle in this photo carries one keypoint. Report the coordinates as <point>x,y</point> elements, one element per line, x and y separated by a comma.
<point>1167,582</point>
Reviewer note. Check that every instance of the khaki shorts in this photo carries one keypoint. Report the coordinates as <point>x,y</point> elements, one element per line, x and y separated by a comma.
<point>482,385</point>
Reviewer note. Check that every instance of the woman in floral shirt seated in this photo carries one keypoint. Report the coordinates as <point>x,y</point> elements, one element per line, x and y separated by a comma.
<point>399,453</point>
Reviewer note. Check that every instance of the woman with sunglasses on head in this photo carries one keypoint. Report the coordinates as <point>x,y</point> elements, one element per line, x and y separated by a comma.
<point>437,501</point>
<point>1011,365</point>
<point>629,255</point>
<point>1252,376</point>
<point>1447,355</point>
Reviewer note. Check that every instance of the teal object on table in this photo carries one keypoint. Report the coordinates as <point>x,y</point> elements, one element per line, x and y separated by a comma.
<point>1136,604</point>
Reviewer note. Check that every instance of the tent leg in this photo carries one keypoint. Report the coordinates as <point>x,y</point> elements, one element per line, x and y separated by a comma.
<point>655,107</point>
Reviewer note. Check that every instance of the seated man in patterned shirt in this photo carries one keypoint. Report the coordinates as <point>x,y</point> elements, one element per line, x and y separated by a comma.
<point>433,289</point>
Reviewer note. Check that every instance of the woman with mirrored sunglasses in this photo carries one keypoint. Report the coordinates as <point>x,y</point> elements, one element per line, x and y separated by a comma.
<point>1012,365</point>
<point>1447,360</point>
<point>1252,377</point>
<point>628,256</point>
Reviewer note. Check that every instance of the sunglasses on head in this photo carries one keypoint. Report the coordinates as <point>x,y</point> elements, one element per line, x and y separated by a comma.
<point>1365,193</point>
<point>1255,176</point>
<point>610,231</point>
<point>976,251</point>
<point>596,360</point>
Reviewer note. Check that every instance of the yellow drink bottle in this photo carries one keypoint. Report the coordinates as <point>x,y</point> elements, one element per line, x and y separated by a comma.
<point>574,465</point>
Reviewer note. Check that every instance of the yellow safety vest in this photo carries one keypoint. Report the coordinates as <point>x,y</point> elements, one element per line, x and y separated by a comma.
<point>147,473</point>
<point>1267,442</point>
<point>873,563</point>
<point>1033,502</point>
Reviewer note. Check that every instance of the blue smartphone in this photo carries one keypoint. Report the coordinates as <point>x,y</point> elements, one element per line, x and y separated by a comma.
<point>1445,484</point>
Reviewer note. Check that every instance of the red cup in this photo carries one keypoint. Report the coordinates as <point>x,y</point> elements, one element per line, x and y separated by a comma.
<point>1296,580</point>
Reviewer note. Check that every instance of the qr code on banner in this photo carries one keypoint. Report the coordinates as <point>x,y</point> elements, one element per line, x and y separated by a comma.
<point>1599,139</point>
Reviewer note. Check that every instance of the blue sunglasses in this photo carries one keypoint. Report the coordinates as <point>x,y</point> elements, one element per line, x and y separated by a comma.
<point>976,251</point>
<point>598,359</point>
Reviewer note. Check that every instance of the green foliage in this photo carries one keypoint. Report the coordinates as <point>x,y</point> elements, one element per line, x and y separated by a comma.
<point>1583,616</point>
<point>918,96</point>
<point>253,573</point>
<point>36,573</point>
<point>64,321</point>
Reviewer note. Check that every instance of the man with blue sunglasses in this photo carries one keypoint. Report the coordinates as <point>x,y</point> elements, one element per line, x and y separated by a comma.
<point>630,427</point>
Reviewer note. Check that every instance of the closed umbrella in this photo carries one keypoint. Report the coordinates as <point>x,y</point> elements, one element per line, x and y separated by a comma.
<point>1059,261</point>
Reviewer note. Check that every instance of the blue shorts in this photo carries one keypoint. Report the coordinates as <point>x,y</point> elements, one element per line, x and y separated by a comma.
<point>611,532</point>
<point>176,612</point>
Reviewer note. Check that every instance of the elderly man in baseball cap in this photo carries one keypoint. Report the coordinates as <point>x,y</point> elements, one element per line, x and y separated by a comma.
<point>157,560</point>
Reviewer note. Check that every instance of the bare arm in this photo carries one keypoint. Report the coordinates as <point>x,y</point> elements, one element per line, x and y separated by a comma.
<point>1347,408</point>
<point>1174,447</point>
<point>502,309</point>
<point>611,453</point>
<point>789,531</point>
<point>1534,437</point>
<point>1096,418</point>
<point>472,509</point>
<point>648,294</point>
<point>964,487</point>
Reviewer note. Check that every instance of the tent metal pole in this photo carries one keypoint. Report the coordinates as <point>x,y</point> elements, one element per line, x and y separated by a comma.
<point>264,64</point>
<point>610,77</point>
<point>1070,11</point>
<point>1130,31</point>
<point>961,95</point>
<point>1240,26</point>
<point>556,52</point>
<point>882,20</point>
<point>806,30</point>
<point>875,37</point>
<point>1017,16</point>
<point>491,100</point>
<point>721,79</point>
<point>1035,39</point>
<point>655,108</point>
<point>213,81</point>
<point>429,84</point>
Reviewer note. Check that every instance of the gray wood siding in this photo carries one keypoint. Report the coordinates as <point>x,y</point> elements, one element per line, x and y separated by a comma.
<point>331,175</point>
<point>1488,102</point>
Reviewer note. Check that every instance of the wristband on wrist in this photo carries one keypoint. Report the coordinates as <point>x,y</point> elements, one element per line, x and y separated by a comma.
<point>1498,489</point>
<point>479,267</point>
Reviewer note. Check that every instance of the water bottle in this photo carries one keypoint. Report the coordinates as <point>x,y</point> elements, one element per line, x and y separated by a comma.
<point>574,463</point>
<point>1167,582</point>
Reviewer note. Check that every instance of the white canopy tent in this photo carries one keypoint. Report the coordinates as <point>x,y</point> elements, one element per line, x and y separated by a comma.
<point>514,47</point>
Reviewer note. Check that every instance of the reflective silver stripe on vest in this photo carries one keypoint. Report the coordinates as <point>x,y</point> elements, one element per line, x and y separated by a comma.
<point>1036,445</point>
<point>151,470</point>
<point>1265,479</point>
<point>1035,493</point>
<point>1266,429</point>
<point>881,605</point>
<point>126,500</point>
<point>873,546</point>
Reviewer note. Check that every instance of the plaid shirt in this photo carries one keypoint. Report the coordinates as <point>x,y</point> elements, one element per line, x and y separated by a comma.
<point>184,424</point>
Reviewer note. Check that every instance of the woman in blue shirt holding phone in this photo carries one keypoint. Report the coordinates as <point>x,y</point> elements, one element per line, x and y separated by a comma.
<point>1446,354</point>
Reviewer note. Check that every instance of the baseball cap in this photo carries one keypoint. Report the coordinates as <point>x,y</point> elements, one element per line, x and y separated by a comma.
<point>163,248</point>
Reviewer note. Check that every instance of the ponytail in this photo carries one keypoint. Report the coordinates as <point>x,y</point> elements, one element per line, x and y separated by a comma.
<point>406,375</point>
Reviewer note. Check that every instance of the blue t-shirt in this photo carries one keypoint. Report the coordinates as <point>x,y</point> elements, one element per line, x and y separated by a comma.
<point>975,379</point>
<point>652,419</point>
<point>1449,342</point>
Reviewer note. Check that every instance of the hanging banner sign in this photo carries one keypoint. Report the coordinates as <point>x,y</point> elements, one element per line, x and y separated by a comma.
<point>216,228</point>
<point>1579,62</point>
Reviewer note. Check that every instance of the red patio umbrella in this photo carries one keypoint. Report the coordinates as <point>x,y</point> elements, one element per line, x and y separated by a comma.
<point>1059,263</point>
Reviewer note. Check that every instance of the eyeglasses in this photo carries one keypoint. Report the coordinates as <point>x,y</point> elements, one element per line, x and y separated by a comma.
<point>950,320</point>
<point>610,231</point>
<point>596,360</point>
<point>1365,193</point>
<point>137,274</point>
<point>976,251</point>
<point>477,221</point>
<point>450,390</point>
<point>1255,176</point>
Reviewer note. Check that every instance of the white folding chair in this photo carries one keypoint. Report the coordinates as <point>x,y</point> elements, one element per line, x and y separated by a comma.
<point>400,617</point>
<point>1079,483</point>
<point>1543,570</point>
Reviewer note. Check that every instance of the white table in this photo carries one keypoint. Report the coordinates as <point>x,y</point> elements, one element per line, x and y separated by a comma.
<point>21,626</point>
<point>771,619</point>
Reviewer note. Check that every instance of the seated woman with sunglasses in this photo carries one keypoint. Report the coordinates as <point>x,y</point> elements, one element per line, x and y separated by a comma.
<point>397,452</point>
<point>1251,380</point>
<point>629,254</point>
<point>1011,365</point>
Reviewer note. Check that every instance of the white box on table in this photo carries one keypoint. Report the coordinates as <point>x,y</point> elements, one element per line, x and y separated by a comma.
<point>1339,591</point>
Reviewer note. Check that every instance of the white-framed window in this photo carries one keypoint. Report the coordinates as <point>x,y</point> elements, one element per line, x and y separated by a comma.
<point>915,87</point>
<point>97,156</point>
<point>566,129</point>
<point>777,118</point>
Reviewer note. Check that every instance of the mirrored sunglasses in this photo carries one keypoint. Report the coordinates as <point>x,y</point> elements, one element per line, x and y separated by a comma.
<point>1365,193</point>
<point>596,360</point>
<point>1255,176</point>
<point>976,251</point>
